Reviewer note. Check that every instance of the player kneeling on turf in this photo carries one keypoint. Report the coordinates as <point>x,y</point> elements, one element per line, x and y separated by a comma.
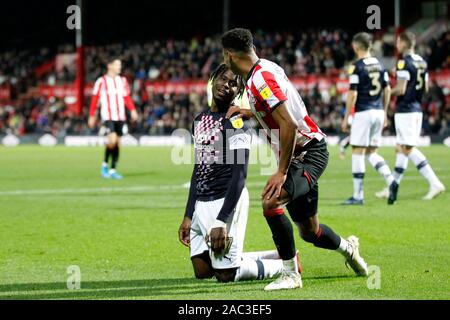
<point>217,209</point>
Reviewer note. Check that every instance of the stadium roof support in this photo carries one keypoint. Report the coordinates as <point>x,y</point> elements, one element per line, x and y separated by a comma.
<point>79,82</point>
<point>226,15</point>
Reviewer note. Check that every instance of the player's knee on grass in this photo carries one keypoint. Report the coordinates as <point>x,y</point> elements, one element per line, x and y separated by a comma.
<point>202,267</point>
<point>225,276</point>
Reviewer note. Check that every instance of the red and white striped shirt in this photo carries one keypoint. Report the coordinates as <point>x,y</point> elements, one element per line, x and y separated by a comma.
<point>267,87</point>
<point>114,96</point>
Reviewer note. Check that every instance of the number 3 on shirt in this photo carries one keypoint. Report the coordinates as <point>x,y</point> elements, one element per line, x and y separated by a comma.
<point>375,78</point>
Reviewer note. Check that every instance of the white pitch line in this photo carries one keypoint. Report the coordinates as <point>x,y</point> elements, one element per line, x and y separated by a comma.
<point>165,188</point>
<point>90,190</point>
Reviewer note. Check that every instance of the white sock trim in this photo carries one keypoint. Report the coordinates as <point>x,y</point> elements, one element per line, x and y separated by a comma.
<point>291,264</point>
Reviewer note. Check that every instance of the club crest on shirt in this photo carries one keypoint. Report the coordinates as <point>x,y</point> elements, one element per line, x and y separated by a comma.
<point>237,122</point>
<point>400,64</point>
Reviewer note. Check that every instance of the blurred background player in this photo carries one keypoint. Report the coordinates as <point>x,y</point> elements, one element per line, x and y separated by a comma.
<point>412,82</point>
<point>302,155</point>
<point>113,92</point>
<point>217,208</point>
<point>369,93</point>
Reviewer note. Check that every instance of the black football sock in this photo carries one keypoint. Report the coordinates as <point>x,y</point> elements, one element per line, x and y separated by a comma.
<point>115,157</point>
<point>282,233</point>
<point>108,153</point>
<point>327,238</point>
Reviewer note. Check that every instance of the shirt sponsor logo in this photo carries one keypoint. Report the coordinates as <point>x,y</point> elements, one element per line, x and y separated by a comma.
<point>351,69</point>
<point>265,92</point>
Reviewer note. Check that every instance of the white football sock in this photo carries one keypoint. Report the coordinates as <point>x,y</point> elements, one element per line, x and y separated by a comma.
<point>358,169</point>
<point>271,254</point>
<point>258,269</point>
<point>291,265</point>
<point>421,162</point>
<point>345,248</point>
<point>401,164</point>
<point>380,165</point>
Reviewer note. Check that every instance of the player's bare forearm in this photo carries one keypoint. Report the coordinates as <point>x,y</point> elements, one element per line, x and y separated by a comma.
<point>288,136</point>
<point>184,230</point>
<point>350,103</point>
<point>400,88</point>
<point>387,98</point>
<point>91,122</point>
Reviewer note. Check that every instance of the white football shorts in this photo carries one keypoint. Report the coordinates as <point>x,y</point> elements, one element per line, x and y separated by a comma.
<point>408,127</point>
<point>204,217</point>
<point>367,128</point>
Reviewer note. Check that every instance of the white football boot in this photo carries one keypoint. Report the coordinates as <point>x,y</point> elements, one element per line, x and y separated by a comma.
<point>355,261</point>
<point>434,191</point>
<point>383,194</point>
<point>287,280</point>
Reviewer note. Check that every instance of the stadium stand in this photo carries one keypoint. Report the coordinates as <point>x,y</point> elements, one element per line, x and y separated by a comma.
<point>35,86</point>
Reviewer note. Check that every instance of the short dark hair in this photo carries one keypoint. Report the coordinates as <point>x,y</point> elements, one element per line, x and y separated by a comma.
<point>238,39</point>
<point>409,38</point>
<point>363,39</point>
<point>111,59</point>
<point>221,69</point>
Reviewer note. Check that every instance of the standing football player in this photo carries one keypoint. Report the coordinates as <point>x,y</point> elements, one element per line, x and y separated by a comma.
<point>412,82</point>
<point>370,94</point>
<point>217,208</point>
<point>302,156</point>
<point>114,94</point>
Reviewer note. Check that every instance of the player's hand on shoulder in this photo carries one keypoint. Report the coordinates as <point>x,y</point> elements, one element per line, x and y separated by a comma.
<point>184,231</point>
<point>242,113</point>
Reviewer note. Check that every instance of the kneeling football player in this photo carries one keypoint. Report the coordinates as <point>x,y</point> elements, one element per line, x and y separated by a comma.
<point>217,209</point>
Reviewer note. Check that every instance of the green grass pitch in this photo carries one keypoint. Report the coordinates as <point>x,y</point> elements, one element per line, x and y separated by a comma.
<point>56,211</point>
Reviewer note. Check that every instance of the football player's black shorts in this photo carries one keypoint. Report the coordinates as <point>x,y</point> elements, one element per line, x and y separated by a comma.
<point>114,127</point>
<point>302,180</point>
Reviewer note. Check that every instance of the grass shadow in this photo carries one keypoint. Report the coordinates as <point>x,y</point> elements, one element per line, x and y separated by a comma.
<point>153,288</point>
<point>134,289</point>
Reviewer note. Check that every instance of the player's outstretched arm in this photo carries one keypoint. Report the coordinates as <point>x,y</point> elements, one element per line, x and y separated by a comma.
<point>185,227</point>
<point>386,101</point>
<point>400,88</point>
<point>351,101</point>
<point>288,135</point>
<point>218,234</point>
<point>94,102</point>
